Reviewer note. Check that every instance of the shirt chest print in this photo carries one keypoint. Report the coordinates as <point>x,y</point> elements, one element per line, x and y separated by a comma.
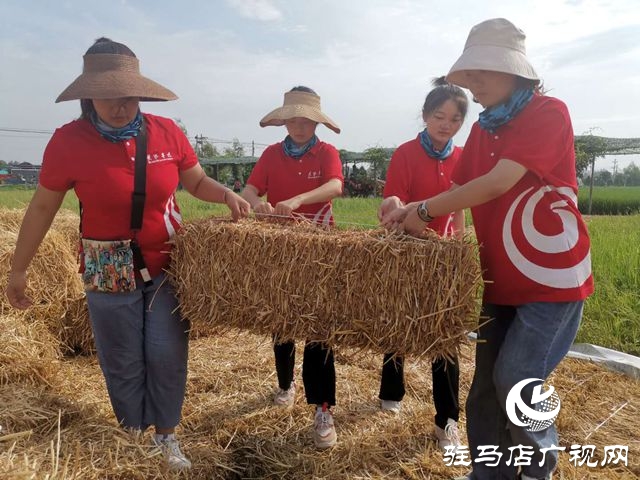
<point>158,157</point>
<point>314,174</point>
<point>570,277</point>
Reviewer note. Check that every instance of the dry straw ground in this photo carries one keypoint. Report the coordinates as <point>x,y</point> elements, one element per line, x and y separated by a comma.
<point>57,421</point>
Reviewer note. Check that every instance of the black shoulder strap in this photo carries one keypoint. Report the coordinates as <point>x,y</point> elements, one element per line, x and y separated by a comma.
<point>139,179</point>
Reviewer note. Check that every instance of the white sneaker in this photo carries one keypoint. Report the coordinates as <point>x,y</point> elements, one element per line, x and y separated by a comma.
<point>170,448</point>
<point>285,398</point>
<point>392,406</point>
<point>448,436</point>
<point>324,431</point>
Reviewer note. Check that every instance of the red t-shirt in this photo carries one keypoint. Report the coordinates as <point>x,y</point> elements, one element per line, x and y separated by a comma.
<point>282,177</point>
<point>413,175</point>
<point>534,245</point>
<point>101,174</point>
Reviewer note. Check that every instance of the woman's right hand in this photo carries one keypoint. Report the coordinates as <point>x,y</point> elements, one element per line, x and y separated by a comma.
<point>262,209</point>
<point>16,287</point>
<point>239,206</point>
<point>388,205</point>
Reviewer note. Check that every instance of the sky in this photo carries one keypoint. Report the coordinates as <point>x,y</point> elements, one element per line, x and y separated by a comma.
<point>371,61</point>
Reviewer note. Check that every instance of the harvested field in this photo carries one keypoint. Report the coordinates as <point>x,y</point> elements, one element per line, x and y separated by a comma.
<point>57,421</point>
<point>231,430</point>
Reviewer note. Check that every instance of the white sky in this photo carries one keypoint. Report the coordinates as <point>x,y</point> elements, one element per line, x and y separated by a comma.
<point>230,62</point>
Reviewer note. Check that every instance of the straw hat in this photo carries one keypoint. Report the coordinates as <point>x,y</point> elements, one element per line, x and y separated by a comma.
<point>108,75</point>
<point>496,45</point>
<point>299,104</point>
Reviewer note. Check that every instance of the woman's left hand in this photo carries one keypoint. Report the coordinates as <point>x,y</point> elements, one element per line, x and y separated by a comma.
<point>239,206</point>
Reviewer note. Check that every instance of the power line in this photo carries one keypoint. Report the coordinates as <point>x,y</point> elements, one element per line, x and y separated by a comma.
<point>26,130</point>
<point>201,137</point>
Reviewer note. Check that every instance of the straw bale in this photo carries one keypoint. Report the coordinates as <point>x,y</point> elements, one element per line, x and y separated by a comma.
<point>369,289</point>
<point>65,222</point>
<point>29,352</point>
<point>54,283</point>
<point>77,336</point>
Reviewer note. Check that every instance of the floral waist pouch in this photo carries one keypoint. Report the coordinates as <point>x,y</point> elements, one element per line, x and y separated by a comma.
<point>108,266</point>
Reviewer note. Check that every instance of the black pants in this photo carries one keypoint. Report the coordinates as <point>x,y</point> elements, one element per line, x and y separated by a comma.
<point>446,382</point>
<point>318,371</point>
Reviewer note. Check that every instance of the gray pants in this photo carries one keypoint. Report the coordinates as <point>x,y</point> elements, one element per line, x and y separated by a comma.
<point>142,346</point>
<point>520,342</point>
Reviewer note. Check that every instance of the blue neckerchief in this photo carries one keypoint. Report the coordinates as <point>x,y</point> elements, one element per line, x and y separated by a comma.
<point>493,117</point>
<point>117,134</point>
<point>427,144</point>
<point>295,151</point>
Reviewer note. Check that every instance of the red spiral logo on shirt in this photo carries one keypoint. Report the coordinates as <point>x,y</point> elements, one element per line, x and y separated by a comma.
<point>571,276</point>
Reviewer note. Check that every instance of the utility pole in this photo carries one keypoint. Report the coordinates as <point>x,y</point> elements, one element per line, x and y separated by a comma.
<point>199,141</point>
<point>253,148</point>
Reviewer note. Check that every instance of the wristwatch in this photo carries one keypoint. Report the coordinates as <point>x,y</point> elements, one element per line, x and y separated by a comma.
<point>423,212</point>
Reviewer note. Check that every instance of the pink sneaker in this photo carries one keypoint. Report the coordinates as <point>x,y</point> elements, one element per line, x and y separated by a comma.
<point>285,398</point>
<point>324,432</point>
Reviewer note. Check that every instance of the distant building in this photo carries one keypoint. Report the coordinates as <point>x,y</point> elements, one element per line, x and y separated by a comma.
<point>25,173</point>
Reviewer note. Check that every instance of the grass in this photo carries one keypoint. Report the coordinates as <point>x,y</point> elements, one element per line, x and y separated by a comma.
<point>610,200</point>
<point>611,316</point>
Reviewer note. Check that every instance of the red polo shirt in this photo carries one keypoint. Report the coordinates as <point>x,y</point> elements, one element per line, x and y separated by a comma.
<point>101,174</point>
<point>413,175</point>
<point>282,177</point>
<point>534,243</point>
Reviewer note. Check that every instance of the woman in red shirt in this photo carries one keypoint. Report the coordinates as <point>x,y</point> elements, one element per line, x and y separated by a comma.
<point>300,176</point>
<point>141,338</point>
<point>419,169</point>
<point>517,174</point>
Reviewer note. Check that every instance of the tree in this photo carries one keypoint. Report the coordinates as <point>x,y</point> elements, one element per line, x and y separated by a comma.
<point>378,158</point>
<point>603,178</point>
<point>631,175</point>
<point>589,147</point>
<point>208,149</point>
<point>235,150</point>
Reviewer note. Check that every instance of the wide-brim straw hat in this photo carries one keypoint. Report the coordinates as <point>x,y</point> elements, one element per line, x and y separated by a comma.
<point>496,45</point>
<point>299,104</point>
<point>108,75</point>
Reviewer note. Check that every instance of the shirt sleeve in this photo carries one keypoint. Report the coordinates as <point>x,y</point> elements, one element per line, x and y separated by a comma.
<point>398,181</point>
<point>544,140</point>
<point>332,166</point>
<point>55,174</point>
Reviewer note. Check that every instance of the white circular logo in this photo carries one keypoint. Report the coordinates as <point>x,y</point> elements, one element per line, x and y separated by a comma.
<point>547,406</point>
<point>549,246</point>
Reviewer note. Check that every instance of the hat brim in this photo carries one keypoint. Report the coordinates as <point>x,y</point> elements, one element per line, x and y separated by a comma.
<point>115,84</point>
<point>491,58</point>
<point>277,117</point>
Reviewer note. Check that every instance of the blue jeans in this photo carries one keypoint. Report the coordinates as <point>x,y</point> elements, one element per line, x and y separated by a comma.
<point>142,345</point>
<point>518,342</point>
